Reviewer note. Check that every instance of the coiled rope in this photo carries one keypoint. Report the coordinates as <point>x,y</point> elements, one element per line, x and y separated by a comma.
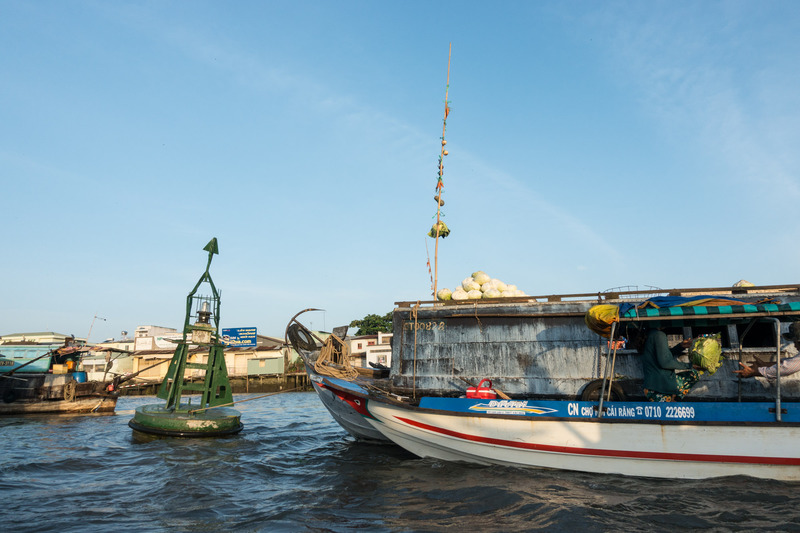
<point>334,360</point>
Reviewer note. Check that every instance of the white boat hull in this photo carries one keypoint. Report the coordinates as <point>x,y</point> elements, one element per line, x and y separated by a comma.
<point>690,451</point>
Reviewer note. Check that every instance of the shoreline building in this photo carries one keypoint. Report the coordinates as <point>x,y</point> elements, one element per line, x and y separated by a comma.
<point>375,349</point>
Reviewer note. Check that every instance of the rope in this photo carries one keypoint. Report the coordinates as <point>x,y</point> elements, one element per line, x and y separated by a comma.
<point>242,401</point>
<point>334,360</point>
<point>414,314</point>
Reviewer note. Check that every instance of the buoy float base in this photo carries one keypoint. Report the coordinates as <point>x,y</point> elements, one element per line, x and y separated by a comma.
<point>157,420</point>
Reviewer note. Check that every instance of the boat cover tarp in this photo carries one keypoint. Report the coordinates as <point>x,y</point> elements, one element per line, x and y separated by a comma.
<point>600,317</point>
<point>13,357</point>
<point>659,302</point>
<point>705,310</point>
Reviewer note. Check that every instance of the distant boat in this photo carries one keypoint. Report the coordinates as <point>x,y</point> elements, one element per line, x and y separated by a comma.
<point>547,407</point>
<point>45,379</point>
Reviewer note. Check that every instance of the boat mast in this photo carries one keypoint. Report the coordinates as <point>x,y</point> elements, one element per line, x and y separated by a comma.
<point>439,183</point>
<point>92,326</point>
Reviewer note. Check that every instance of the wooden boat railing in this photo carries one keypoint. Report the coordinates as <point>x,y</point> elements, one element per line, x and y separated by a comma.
<point>616,295</point>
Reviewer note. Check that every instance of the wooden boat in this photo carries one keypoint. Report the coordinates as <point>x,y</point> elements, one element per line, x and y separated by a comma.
<point>44,379</point>
<point>570,416</point>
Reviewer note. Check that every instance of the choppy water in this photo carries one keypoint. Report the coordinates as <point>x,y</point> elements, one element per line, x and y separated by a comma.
<point>294,469</point>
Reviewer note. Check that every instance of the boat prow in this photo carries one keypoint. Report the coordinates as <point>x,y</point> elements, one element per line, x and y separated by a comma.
<point>345,399</point>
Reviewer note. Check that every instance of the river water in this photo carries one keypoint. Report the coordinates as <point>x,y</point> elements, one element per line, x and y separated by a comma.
<point>294,469</point>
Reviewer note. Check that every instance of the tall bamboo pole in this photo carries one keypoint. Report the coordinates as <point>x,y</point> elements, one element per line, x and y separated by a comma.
<point>439,184</point>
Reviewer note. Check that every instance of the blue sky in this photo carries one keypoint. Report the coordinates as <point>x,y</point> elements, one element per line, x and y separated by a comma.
<point>592,145</point>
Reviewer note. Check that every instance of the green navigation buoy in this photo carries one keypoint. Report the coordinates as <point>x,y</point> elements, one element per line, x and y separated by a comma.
<point>209,417</point>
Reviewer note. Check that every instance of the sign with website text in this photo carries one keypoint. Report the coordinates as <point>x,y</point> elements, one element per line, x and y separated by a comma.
<point>239,337</point>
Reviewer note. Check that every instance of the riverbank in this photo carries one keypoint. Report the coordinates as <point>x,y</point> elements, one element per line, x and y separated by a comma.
<point>239,385</point>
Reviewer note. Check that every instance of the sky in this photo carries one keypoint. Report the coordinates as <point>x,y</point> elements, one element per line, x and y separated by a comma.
<point>592,145</point>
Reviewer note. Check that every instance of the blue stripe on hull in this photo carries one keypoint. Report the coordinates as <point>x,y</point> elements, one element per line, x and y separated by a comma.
<point>645,411</point>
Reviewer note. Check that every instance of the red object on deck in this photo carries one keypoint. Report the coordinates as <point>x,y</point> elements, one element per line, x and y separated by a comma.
<point>483,392</point>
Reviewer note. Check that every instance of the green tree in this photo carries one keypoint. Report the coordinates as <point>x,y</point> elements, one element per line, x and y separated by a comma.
<point>372,324</point>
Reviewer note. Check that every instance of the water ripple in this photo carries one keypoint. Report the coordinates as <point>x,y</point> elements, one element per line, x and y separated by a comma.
<point>294,469</point>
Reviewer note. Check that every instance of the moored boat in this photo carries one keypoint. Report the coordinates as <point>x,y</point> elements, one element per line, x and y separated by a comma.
<point>45,379</point>
<point>571,416</point>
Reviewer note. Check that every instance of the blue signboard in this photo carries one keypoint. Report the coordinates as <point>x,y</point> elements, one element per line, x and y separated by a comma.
<point>239,337</point>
